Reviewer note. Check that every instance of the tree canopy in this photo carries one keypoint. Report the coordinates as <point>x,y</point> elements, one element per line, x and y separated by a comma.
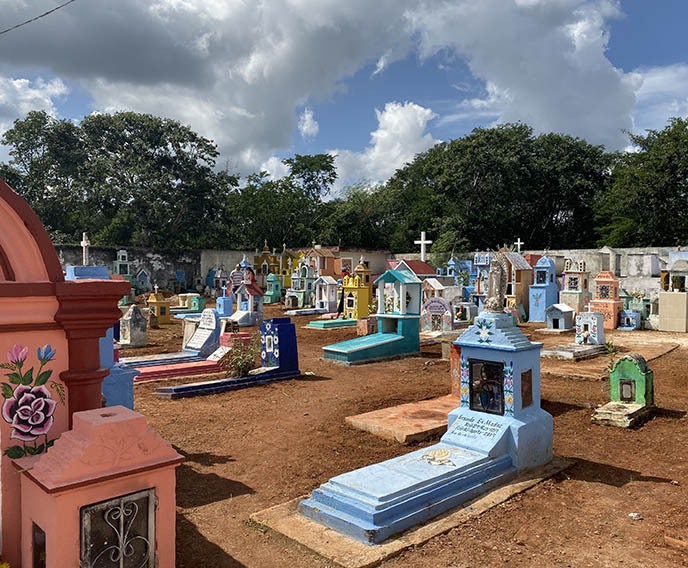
<point>139,180</point>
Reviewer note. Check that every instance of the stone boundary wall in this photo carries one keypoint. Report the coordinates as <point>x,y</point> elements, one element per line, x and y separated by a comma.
<point>638,268</point>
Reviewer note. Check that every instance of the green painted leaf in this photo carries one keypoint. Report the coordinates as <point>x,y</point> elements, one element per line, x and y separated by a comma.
<point>27,379</point>
<point>15,378</point>
<point>7,391</point>
<point>50,444</point>
<point>31,451</point>
<point>15,452</point>
<point>43,378</point>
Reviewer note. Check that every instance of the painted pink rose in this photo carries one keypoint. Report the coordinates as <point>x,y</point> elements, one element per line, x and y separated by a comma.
<point>30,412</point>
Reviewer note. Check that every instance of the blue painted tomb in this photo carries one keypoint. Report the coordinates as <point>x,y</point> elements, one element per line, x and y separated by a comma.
<point>279,359</point>
<point>118,385</point>
<point>498,430</point>
<point>544,292</point>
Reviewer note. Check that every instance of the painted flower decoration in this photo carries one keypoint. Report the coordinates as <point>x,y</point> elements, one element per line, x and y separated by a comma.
<point>484,334</point>
<point>465,391</point>
<point>509,399</point>
<point>30,412</point>
<point>46,354</point>
<point>17,355</point>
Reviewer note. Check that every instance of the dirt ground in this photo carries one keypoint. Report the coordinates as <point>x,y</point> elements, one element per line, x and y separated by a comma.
<point>250,449</point>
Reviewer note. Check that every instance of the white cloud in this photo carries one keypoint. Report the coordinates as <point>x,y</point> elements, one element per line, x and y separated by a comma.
<point>308,126</point>
<point>401,134</point>
<point>275,167</point>
<point>662,95</point>
<point>235,71</point>
<point>549,57</point>
<point>19,96</point>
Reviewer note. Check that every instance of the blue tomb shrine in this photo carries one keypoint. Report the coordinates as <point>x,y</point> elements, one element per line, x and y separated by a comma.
<point>279,359</point>
<point>225,304</point>
<point>498,431</point>
<point>398,319</point>
<point>629,320</point>
<point>118,385</point>
<point>544,291</point>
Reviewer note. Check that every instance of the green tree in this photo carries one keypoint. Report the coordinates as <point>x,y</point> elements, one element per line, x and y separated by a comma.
<point>287,210</point>
<point>647,201</point>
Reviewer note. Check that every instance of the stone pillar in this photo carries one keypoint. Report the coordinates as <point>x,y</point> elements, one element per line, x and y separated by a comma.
<point>88,308</point>
<point>381,298</point>
<point>402,299</point>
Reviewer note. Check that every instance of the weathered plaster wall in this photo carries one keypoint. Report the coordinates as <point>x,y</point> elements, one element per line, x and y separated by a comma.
<point>160,264</point>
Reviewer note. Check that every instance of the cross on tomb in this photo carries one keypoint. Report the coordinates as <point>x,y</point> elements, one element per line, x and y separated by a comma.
<point>518,243</point>
<point>422,242</point>
<point>85,243</point>
<point>224,290</point>
<point>156,288</point>
<point>587,308</point>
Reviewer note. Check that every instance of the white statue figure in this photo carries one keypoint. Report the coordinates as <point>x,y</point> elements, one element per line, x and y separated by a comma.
<point>496,283</point>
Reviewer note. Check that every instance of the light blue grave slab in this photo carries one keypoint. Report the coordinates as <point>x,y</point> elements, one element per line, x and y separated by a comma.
<point>498,430</point>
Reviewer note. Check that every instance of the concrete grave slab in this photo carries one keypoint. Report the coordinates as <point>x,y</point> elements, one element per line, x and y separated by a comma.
<point>349,553</point>
<point>407,423</point>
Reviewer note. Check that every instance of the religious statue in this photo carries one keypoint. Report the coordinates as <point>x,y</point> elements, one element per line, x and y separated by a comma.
<point>496,283</point>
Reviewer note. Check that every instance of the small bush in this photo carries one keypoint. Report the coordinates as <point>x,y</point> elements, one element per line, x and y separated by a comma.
<point>240,358</point>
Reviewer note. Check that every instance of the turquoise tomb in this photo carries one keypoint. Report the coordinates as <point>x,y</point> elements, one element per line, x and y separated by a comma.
<point>398,316</point>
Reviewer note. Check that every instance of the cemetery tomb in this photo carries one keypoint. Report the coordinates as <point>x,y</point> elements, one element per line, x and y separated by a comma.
<point>481,266</point>
<point>520,278</point>
<point>326,294</point>
<point>302,285</point>
<point>133,328</point>
<point>498,430</point>
<point>206,338</point>
<point>465,313</point>
<point>629,320</point>
<point>249,306</point>
<point>273,294</point>
<point>673,300</point>
<point>432,288</point>
<point>590,328</point>
<point>544,292</point>
<point>159,307</point>
<point>436,317</point>
<point>118,385</point>
<point>49,332</point>
<point>559,318</point>
<point>224,304</point>
<point>632,393</point>
<point>279,361</point>
<point>606,299</point>
<point>398,332</point>
<point>575,292</point>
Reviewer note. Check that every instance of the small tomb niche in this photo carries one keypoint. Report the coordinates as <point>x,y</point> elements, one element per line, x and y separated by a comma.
<point>119,532</point>
<point>486,386</point>
<point>526,388</point>
<point>541,277</point>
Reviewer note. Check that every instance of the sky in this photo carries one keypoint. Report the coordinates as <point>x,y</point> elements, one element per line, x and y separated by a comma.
<point>374,82</point>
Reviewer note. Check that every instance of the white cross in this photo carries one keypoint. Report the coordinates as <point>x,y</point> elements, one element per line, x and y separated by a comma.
<point>588,307</point>
<point>84,246</point>
<point>156,288</point>
<point>518,243</point>
<point>422,242</point>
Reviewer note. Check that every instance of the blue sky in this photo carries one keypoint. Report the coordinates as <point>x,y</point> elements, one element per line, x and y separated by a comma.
<point>372,82</point>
